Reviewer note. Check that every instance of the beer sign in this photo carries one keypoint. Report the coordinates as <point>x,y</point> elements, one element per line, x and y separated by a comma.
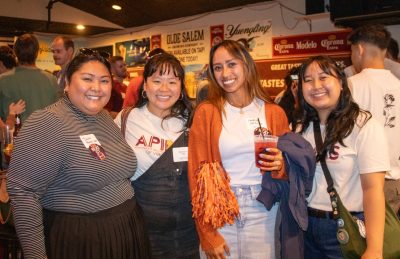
<point>325,43</point>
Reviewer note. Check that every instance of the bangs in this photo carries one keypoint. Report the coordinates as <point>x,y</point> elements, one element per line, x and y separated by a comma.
<point>166,66</point>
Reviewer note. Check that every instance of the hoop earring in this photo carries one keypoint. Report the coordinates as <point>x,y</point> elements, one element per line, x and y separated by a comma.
<point>181,97</point>
<point>144,94</point>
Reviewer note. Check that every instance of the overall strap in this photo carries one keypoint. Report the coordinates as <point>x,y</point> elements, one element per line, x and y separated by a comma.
<point>124,118</point>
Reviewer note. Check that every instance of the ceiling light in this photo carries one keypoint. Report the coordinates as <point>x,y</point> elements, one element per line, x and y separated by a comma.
<point>80,27</point>
<point>116,7</point>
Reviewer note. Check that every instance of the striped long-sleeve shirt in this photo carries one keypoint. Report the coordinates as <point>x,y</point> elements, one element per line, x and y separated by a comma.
<point>53,168</point>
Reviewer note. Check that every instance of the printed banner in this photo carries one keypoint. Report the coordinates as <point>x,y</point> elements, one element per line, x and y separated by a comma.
<point>190,47</point>
<point>134,52</point>
<point>256,36</point>
<point>311,44</point>
<point>273,71</point>
<point>45,59</point>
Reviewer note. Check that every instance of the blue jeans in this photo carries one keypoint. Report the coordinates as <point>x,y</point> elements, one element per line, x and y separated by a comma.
<point>320,239</point>
<point>252,234</point>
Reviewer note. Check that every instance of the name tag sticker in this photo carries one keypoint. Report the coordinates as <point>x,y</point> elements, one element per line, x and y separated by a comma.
<point>89,139</point>
<point>252,123</point>
<point>180,154</point>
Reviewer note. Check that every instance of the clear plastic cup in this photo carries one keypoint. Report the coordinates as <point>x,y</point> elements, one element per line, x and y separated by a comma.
<point>263,142</point>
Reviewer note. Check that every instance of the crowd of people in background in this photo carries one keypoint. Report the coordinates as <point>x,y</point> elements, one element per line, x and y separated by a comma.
<point>103,168</point>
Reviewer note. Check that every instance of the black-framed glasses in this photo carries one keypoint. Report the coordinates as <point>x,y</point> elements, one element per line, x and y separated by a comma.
<point>102,56</point>
<point>87,51</point>
<point>92,52</point>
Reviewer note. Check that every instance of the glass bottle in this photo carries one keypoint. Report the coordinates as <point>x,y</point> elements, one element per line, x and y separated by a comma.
<point>17,125</point>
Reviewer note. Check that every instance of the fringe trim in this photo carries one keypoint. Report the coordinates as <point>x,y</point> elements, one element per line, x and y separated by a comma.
<point>213,200</point>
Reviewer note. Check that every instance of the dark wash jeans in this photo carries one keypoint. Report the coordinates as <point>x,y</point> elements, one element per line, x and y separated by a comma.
<point>320,239</point>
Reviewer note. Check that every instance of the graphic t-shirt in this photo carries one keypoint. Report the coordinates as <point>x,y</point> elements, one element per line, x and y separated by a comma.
<point>378,91</point>
<point>149,136</point>
<point>365,151</point>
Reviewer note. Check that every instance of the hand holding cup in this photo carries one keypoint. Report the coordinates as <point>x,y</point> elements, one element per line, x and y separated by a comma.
<point>268,157</point>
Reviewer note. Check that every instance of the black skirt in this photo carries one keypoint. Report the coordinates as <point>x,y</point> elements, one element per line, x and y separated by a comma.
<point>115,233</point>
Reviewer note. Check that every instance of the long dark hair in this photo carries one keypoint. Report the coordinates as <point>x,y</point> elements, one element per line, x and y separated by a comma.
<point>164,63</point>
<point>342,119</point>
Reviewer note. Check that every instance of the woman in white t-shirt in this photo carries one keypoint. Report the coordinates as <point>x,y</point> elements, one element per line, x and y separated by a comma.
<point>156,131</point>
<point>356,154</point>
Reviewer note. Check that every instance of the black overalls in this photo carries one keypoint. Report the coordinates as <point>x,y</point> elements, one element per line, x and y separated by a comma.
<point>163,193</point>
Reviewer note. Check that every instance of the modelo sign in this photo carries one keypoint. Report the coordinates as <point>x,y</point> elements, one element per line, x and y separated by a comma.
<point>311,44</point>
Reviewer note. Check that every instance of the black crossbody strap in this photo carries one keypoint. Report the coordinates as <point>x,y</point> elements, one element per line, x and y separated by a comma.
<point>333,195</point>
<point>318,143</point>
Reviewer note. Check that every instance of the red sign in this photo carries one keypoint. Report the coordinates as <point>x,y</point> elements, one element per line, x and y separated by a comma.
<point>216,34</point>
<point>326,43</point>
<point>273,71</point>
<point>155,41</point>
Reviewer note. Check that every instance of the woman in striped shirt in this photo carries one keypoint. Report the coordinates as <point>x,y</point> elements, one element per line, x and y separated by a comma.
<point>69,175</point>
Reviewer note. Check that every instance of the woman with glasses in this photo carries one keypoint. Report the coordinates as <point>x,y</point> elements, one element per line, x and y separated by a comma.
<point>156,131</point>
<point>69,175</point>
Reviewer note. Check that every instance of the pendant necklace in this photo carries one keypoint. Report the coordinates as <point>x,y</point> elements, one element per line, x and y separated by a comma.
<point>241,111</point>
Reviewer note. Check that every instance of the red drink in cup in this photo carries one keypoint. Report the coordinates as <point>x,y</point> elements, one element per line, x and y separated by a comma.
<point>263,142</point>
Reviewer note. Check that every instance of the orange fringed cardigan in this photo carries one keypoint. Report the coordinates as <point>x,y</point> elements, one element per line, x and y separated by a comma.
<point>203,146</point>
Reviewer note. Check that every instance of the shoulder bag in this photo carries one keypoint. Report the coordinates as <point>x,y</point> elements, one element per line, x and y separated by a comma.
<point>350,230</point>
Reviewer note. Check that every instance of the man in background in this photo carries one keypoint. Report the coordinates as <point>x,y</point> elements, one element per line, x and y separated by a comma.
<point>8,59</point>
<point>26,81</point>
<point>393,50</point>
<point>377,90</point>
<point>63,51</point>
<point>391,60</point>
<point>119,73</point>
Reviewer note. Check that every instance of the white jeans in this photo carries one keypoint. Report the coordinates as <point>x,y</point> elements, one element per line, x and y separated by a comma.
<point>252,234</point>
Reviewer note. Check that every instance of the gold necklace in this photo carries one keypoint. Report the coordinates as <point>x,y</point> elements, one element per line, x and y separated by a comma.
<point>238,106</point>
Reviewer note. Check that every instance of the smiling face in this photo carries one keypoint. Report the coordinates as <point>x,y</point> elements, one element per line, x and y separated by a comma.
<point>90,87</point>
<point>162,90</point>
<point>229,73</point>
<point>321,90</point>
